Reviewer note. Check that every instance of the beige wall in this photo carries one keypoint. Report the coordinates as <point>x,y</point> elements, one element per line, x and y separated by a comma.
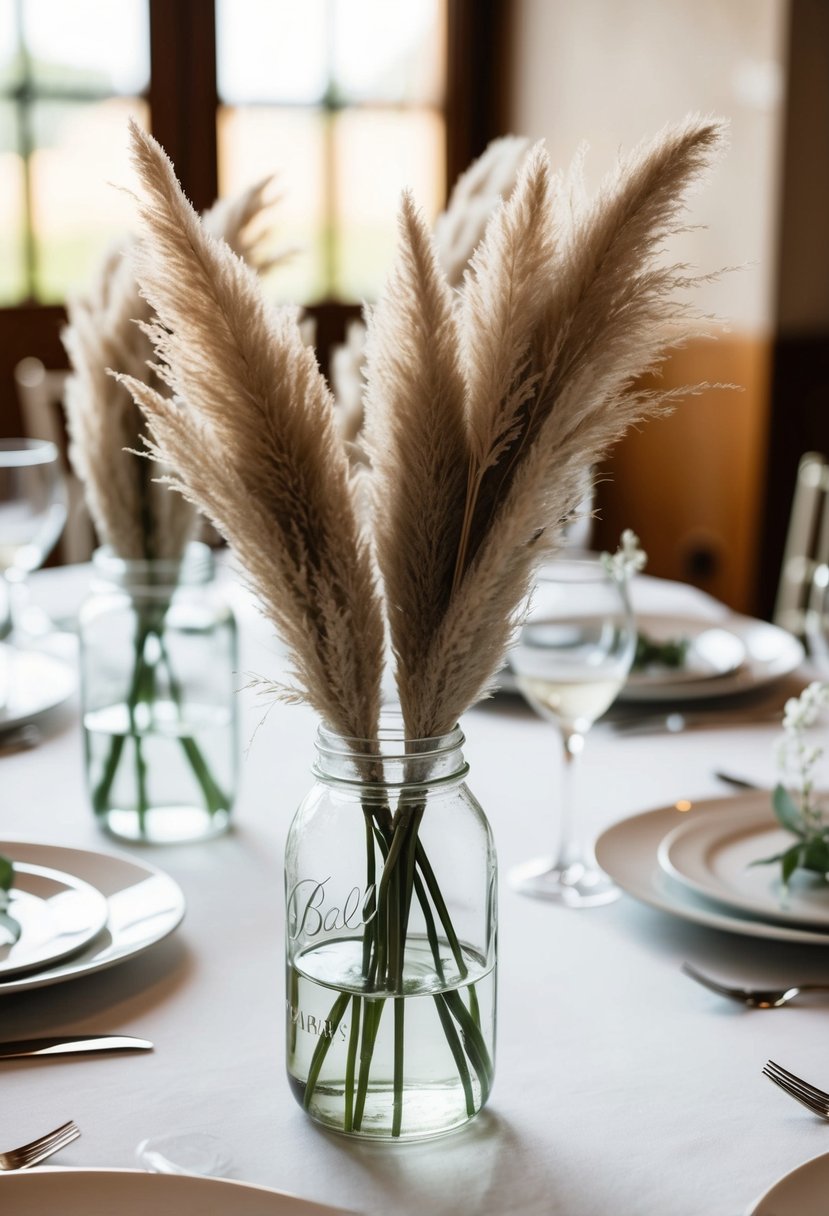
<point>611,72</point>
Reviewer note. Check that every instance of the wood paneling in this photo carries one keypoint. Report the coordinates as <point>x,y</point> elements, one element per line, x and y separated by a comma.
<point>691,484</point>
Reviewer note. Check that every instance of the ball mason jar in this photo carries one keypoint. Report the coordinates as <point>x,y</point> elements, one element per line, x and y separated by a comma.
<point>158,664</point>
<point>391,927</point>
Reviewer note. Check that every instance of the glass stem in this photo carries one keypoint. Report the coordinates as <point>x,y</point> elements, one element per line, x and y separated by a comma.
<point>569,849</point>
<point>5,607</point>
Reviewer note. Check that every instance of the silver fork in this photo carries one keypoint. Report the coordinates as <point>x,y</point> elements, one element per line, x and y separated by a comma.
<point>754,998</point>
<point>38,1150</point>
<point>810,1096</point>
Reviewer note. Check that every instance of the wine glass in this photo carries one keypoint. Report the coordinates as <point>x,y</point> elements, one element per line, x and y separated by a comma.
<point>572,658</point>
<point>32,514</point>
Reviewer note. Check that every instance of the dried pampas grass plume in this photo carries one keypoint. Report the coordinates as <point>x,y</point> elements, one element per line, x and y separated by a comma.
<point>133,513</point>
<point>566,305</point>
<point>249,434</point>
<point>458,230</point>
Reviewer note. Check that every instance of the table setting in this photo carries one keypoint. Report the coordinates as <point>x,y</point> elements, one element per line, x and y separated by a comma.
<point>390,858</point>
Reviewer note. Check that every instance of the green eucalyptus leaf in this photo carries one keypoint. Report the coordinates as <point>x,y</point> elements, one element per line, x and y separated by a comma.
<point>6,873</point>
<point>790,860</point>
<point>816,855</point>
<point>767,861</point>
<point>786,810</point>
<point>9,925</point>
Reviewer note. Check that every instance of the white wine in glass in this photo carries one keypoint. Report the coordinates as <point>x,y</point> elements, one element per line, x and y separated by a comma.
<point>573,655</point>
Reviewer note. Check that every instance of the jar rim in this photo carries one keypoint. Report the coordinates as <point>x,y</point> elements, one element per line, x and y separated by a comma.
<point>390,742</point>
<point>195,567</point>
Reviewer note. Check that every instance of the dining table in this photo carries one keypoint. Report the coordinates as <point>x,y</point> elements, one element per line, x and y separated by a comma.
<point>622,1088</point>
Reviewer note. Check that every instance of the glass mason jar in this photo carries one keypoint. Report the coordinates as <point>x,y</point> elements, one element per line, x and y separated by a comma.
<point>391,921</point>
<point>158,657</point>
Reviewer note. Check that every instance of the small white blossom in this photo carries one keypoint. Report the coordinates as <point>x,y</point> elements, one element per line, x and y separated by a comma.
<point>628,559</point>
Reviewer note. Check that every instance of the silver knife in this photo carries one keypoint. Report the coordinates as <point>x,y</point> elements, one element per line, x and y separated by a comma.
<point>63,1045</point>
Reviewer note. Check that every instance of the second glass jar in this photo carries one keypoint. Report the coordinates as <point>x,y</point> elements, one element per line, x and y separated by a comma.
<point>158,657</point>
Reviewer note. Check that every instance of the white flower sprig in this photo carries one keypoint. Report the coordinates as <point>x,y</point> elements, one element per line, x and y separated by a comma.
<point>794,800</point>
<point>629,559</point>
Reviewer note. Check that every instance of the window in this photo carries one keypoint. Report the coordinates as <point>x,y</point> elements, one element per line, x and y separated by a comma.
<point>346,101</point>
<point>70,73</point>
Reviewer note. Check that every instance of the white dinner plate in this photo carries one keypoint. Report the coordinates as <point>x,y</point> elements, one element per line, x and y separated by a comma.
<point>30,684</point>
<point>627,851</point>
<point>144,905</point>
<point>770,654</point>
<point>57,914</point>
<point>713,650</point>
<point>714,856</point>
<point>802,1192</point>
<point>77,1192</point>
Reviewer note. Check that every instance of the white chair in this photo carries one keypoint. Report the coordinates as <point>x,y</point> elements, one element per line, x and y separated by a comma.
<point>40,394</point>
<point>807,542</point>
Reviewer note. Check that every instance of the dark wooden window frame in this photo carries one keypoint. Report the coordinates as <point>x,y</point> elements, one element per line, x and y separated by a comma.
<point>183,104</point>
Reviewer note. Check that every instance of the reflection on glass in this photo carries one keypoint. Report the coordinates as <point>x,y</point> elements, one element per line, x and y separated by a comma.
<point>388,52</point>
<point>378,152</point>
<point>76,213</point>
<point>272,50</point>
<point>572,658</point>
<point>257,141</point>
<point>89,45</point>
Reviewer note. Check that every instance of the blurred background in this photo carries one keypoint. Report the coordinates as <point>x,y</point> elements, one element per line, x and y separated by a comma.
<point>348,101</point>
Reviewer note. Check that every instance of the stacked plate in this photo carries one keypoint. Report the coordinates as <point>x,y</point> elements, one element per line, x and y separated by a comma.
<point>696,861</point>
<point>734,655</point>
<point>80,912</point>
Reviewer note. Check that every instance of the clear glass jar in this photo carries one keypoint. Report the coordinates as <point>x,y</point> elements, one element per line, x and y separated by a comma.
<point>158,657</point>
<point>391,924</point>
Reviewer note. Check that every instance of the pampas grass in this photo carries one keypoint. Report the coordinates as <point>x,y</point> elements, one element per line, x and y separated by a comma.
<point>566,305</point>
<point>250,438</point>
<point>485,408</point>
<point>458,231</point>
<point>138,517</point>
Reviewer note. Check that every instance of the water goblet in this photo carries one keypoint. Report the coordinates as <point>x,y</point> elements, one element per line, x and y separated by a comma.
<point>573,655</point>
<point>32,515</point>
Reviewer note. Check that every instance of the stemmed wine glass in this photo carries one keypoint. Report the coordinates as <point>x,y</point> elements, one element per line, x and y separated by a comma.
<point>32,515</point>
<point>573,656</point>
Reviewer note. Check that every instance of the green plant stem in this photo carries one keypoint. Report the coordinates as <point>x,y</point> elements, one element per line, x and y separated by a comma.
<point>371,1024</point>
<point>406,873</point>
<point>351,1059</point>
<point>318,1059</point>
<point>215,798</point>
<point>457,1052</point>
<point>142,688</point>
<point>399,1053</point>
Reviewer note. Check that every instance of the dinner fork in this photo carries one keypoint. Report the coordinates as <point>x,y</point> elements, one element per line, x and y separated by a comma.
<point>754,998</point>
<point>38,1150</point>
<point>810,1096</point>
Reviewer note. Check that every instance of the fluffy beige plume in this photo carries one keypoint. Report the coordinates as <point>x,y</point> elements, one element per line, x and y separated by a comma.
<point>417,437</point>
<point>477,192</point>
<point>251,438</point>
<point>458,230</point>
<point>134,514</point>
<point>565,307</point>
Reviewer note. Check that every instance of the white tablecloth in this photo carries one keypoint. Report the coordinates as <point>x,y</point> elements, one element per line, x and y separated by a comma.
<point>621,1087</point>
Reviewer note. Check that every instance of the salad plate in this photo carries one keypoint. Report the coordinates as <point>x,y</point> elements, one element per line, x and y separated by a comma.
<point>57,915</point>
<point>769,653</point>
<point>717,857</point>
<point>628,852</point>
<point>143,906</point>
